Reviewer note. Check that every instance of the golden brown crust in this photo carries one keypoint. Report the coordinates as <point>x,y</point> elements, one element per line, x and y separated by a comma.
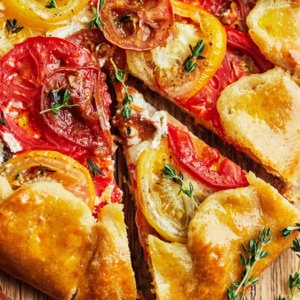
<point>260,115</point>
<point>53,243</point>
<point>223,221</point>
<point>110,275</point>
<point>48,238</point>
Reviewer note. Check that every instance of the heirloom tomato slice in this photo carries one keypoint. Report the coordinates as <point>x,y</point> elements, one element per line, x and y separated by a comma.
<point>179,68</point>
<point>137,25</point>
<point>205,164</point>
<point>44,165</point>
<point>34,77</point>
<point>166,209</point>
<point>40,14</point>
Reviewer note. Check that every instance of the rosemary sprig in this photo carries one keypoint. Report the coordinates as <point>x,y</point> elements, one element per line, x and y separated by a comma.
<point>128,99</point>
<point>96,20</point>
<point>254,252</point>
<point>60,99</point>
<point>294,280</point>
<point>52,4</point>
<point>190,64</point>
<point>170,173</point>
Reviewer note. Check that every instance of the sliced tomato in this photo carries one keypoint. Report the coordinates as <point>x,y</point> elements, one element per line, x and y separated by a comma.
<point>166,209</point>
<point>50,165</point>
<point>137,25</point>
<point>36,14</point>
<point>87,123</point>
<point>220,176</point>
<point>163,69</point>
<point>34,68</point>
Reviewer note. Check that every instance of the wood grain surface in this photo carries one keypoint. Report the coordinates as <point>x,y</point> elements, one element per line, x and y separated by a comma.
<point>273,281</point>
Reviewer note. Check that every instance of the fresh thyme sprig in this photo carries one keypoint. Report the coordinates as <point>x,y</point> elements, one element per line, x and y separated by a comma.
<point>60,99</point>
<point>294,280</point>
<point>170,173</point>
<point>254,252</point>
<point>52,4</point>
<point>128,99</point>
<point>190,64</point>
<point>96,21</point>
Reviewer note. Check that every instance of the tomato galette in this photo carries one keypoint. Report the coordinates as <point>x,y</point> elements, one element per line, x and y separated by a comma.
<point>74,77</point>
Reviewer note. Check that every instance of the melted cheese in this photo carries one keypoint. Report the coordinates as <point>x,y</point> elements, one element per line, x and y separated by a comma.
<point>177,46</point>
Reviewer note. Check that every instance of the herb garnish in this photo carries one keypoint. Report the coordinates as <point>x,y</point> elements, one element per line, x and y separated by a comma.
<point>12,26</point>
<point>253,253</point>
<point>60,99</point>
<point>190,63</point>
<point>93,168</point>
<point>96,21</point>
<point>294,280</point>
<point>128,99</point>
<point>170,173</point>
<point>52,4</point>
<point>2,120</point>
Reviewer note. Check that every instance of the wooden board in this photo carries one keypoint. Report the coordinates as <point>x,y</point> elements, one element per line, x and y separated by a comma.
<point>273,281</point>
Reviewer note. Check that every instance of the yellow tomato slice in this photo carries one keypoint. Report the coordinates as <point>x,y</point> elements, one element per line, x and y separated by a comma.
<point>36,14</point>
<point>163,68</point>
<point>166,209</point>
<point>40,165</point>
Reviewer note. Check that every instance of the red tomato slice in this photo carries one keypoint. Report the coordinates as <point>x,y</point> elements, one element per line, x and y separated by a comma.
<point>30,70</point>
<point>137,25</point>
<point>228,174</point>
<point>85,125</point>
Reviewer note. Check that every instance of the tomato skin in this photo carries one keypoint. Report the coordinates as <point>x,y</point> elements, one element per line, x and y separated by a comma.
<point>223,178</point>
<point>134,25</point>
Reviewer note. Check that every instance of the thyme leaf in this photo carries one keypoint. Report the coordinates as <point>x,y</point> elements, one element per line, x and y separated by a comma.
<point>12,26</point>
<point>93,168</point>
<point>170,173</point>
<point>293,280</point>
<point>59,99</point>
<point>128,99</point>
<point>96,20</point>
<point>190,63</point>
<point>52,4</point>
<point>254,252</point>
<point>2,120</point>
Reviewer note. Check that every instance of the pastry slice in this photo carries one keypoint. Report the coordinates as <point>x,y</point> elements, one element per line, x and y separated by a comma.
<point>51,240</point>
<point>194,206</point>
<point>260,115</point>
